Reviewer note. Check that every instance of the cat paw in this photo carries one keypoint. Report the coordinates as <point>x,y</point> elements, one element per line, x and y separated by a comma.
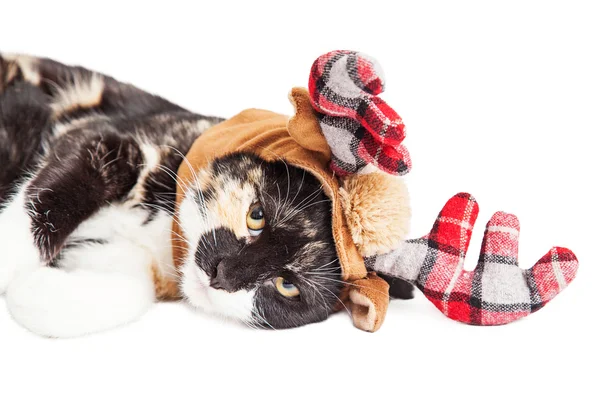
<point>56,303</point>
<point>36,301</point>
<point>18,252</point>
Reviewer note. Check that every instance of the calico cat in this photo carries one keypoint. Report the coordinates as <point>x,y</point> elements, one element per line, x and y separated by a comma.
<point>87,194</point>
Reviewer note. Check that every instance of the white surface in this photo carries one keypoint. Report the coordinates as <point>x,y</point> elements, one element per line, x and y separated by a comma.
<point>501,101</point>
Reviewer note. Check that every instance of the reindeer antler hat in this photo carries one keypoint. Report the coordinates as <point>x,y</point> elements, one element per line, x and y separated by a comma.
<point>351,141</point>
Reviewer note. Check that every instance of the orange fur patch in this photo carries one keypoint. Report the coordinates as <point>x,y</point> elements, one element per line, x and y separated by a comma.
<point>165,289</point>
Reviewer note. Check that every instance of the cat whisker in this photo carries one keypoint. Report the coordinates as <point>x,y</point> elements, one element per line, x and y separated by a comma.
<point>154,206</point>
<point>300,187</point>
<point>332,272</point>
<point>325,265</point>
<point>311,196</point>
<point>324,287</point>
<point>349,284</point>
<point>296,212</point>
<point>105,166</point>
<point>293,212</point>
<point>175,276</point>
<point>279,158</point>
<point>278,202</point>
<point>173,175</point>
<point>324,302</point>
<point>257,314</point>
<point>250,324</point>
<point>196,180</point>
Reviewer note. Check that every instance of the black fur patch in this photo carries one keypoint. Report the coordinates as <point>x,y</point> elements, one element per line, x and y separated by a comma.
<point>95,160</point>
<point>83,174</point>
<point>24,127</point>
<point>399,289</point>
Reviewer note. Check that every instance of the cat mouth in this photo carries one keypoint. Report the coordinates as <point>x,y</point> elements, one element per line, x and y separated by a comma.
<point>203,278</point>
<point>205,291</point>
<point>202,292</point>
<point>237,305</point>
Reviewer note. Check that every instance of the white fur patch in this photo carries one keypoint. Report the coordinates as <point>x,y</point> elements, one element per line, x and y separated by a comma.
<point>132,246</point>
<point>152,157</point>
<point>196,289</point>
<point>83,92</point>
<point>203,125</point>
<point>193,222</point>
<point>18,252</point>
<point>57,303</point>
<point>97,286</point>
<point>60,128</point>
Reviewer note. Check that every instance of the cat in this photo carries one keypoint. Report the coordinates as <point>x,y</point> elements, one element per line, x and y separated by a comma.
<point>87,195</point>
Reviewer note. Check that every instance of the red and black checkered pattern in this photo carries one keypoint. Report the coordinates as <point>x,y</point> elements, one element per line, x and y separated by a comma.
<point>497,291</point>
<point>360,127</point>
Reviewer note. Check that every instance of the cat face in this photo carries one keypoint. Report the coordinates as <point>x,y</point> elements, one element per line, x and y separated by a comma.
<point>260,243</point>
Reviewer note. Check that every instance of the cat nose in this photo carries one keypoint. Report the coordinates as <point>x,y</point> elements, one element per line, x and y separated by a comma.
<point>218,281</point>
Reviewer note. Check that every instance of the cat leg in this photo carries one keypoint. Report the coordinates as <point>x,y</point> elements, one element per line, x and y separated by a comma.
<point>81,176</point>
<point>113,288</point>
<point>399,288</point>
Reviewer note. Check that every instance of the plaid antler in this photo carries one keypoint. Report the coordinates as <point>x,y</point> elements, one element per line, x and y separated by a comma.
<point>360,127</point>
<point>497,291</point>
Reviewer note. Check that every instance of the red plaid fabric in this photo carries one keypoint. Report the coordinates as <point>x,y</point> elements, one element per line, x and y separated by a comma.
<point>497,291</point>
<point>360,127</point>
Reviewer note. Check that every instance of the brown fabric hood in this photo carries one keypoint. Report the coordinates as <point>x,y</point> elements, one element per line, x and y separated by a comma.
<point>300,142</point>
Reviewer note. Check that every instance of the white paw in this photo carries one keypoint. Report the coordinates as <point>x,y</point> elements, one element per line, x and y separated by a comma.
<point>56,303</point>
<point>18,253</point>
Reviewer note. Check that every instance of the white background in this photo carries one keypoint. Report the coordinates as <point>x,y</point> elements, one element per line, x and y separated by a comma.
<point>499,100</point>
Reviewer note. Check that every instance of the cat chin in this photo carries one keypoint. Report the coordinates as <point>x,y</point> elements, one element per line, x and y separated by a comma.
<point>196,290</point>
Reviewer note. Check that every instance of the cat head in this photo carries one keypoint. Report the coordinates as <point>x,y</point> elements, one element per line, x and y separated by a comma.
<point>260,243</point>
<point>341,135</point>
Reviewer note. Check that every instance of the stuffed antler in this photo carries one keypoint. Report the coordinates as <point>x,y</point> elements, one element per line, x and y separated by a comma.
<point>497,291</point>
<point>361,129</point>
<point>359,126</point>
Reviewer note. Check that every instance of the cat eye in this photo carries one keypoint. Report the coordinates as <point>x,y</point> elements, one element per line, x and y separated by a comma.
<point>286,288</point>
<point>255,220</point>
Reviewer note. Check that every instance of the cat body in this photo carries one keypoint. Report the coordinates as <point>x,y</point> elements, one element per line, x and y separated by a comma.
<point>87,178</point>
<point>88,182</point>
